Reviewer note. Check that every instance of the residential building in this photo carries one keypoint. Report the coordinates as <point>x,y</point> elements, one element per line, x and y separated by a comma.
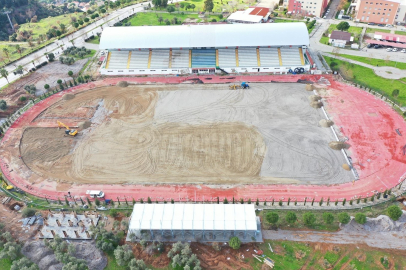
<point>378,11</point>
<point>401,12</point>
<point>340,38</point>
<point>307,7</point>
<point>251,15</point>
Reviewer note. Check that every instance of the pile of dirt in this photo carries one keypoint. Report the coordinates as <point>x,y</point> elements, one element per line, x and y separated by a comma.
<point>346,167</point>
<point>84,125</point>
<point>38,253</point>
<point>326,123</point>
<point>338,145</point>
<point>314,98</point>
<point>381,223</point>
<point>68,96</point>
<point>122,84</point>
<point>316,104</point>
<point>96,260</point>
<point>309,87</point>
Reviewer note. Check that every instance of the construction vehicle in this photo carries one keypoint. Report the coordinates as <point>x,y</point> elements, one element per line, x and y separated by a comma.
<point>68,131</point>
<point>243,85</point>
<point>5,185</point>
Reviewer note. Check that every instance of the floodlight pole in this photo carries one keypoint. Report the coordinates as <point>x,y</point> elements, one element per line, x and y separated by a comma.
<point>8,12</point>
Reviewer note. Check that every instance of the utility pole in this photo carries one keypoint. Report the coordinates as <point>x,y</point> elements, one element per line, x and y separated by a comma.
<point>8,12</point>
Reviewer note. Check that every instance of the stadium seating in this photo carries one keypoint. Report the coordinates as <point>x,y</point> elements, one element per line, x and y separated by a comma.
<point>204,58</point>
<point>247,57</point>
<point>139,59</point>
<point>227,58</point>
<point>269,57</point>
<point>180,58</point>
<point>118,59</point>
<point>159,59</point>
<point>290,56</point>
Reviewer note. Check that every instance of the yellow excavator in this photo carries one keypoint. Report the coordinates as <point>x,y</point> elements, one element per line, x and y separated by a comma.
<point>68,131</point>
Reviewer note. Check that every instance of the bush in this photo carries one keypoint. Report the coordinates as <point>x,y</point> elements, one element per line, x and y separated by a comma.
<point>113,212</point>
<point>234,242</point>
<point>328,218</point>
<point>23,98</point>
<point>361,218</point>
<point>309,219</point>
<point>272,217</point>
<point>291,217</point>
<point>394,212</point>
<point>28,212</point>
<point>3,105</point>
<point>344,218</point>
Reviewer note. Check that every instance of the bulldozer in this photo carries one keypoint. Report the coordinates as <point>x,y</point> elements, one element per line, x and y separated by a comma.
<point>68,131</point>
<point>243,85</point>
<point>4,184</point>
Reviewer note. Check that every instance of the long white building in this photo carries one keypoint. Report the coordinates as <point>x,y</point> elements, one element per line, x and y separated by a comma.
<point>233,48</point>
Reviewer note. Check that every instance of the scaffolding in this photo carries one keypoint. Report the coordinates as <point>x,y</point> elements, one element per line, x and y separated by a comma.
<point>194,222</point>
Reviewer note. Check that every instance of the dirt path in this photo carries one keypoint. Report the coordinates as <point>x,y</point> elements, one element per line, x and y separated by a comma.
<point>384,240</point>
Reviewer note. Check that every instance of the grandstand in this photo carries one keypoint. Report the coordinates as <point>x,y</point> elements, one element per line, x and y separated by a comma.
<point>233,48</point>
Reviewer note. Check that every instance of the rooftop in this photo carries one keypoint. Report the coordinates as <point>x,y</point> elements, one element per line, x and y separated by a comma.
<point>340,35</point>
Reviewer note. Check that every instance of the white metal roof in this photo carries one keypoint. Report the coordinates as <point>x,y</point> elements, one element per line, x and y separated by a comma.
<point>244,15</point>
<point>193,217</point>
<point>217,35</point>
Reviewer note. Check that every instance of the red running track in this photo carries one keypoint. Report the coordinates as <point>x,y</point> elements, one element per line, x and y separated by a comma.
<point>367,122</point>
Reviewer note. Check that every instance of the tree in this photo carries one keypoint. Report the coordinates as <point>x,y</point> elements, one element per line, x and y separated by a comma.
<point>46,86</point>
<point>97,202</point>
<point>344,218</point>
<point>309,219</point>
<point>343,26</point>
<point>28,212</point>
<point>181,255</point>
<point>328,218</point>
<point>5,50</point>
<point>272,217</point>
<point>234,242</point>
<point>10,250</point>
<point>170,9</point>
<point>291,217</point>
<point>395,93</point>
<point>113,212</point>
<point>24,264</point>
<point>123,255</point>
<point>18,49</point>
<point>70,73</point>
<point>76,25</point>
<point>160,19</point>
<point>4,74</point>
<point>361,218</point>
<point>135,264</point>
<point>192,6</point>
<point>19,70</point>
<point>3,105</point>
<point>208,5</point>
<point>394,212</point>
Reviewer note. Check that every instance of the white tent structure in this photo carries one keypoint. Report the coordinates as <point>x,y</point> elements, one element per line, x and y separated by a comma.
<point>195,222</point>
<point>183,49</point>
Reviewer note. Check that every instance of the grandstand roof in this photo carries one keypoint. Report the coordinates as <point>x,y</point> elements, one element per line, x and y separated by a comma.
<point>220,35</point>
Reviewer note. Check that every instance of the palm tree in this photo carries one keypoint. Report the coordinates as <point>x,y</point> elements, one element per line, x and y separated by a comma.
<point>5,50</point>
<point>18,48</point>
<point>4,74</point>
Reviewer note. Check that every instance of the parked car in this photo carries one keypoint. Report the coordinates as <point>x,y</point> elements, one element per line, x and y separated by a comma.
<point>378,46</point>
<point>381,24</point>
<point>324,17</point>
<point>403,51</point>
<point>370,46</point>
<point>371,23</point>
<point>388,49</point>
<point>394,50</point>
<point>389,25</point>
<point>101,208</point>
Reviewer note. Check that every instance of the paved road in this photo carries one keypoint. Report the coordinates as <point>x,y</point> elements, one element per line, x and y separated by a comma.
<point>385,240</point>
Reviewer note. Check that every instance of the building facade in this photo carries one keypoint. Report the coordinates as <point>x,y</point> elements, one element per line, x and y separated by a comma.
<point>307,7</point>
<point>378,11</point>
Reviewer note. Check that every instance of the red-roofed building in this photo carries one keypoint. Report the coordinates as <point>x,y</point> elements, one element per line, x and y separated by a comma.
<point>251,15</point>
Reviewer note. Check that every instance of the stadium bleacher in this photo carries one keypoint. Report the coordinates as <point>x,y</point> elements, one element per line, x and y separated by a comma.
<point>290,56</point>
<point>247,57</point>
<point>227,58</point>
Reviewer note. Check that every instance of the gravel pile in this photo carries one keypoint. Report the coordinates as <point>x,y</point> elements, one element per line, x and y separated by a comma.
<point>84,125</point>
<point>38,253</point>
<point>68,97</point>
<point>326,123</point>
<point>122,84</point>
<point>338,145</point>
<point>381,223</point>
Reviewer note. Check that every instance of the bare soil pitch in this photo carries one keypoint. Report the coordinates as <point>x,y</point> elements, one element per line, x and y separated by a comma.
<point>185,134</point>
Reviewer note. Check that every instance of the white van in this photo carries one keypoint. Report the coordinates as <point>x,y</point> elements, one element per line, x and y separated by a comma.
<point>95,193</point>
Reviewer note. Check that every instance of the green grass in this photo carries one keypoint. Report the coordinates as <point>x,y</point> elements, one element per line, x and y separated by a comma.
<point>354,30</point>
<point>151,18</point>
<point>373,30</point>
<point>368,78</point>
<point>200,5</point>
<point>331,257</point>
<point>5,264</point>
<point>44,25</point>
<point>112,264</point>
<point>374,61</point>
<point>95,40</point>
<point>324,40</point>
<point>400,33</point>
<point>344,260</point>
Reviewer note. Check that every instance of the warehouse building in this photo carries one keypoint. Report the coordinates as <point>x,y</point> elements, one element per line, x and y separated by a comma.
<point>233,48</point>
<point>194,222</point>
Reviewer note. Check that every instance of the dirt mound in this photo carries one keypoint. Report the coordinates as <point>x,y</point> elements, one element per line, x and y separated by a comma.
<point>68,96</point>
<point>309,87</point>
<point>122,84</point>
<point>326,123</point>
<point>38,253</point>
<point>346,167</point>
<point>338,145</point>
<point>84,125</point>
<point>314,98</point>
<point>94,257</point>
<point>381,223</point>
<point>316,104</point>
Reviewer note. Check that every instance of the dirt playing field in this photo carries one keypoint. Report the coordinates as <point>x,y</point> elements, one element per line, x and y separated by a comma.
<point>185,134</point>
